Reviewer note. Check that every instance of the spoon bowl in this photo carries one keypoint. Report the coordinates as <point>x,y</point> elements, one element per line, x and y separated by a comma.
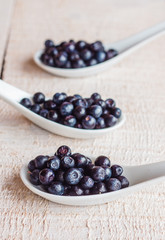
<point>13,96</point>
<point>124,48</point>
<point>138,176</point>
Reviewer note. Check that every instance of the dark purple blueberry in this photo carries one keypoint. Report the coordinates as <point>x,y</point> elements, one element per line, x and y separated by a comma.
<point>70,121</point>
<point>101,103</point>
<point>96,46</point>
<point>81,45</point>
<point>63,151</point>
<point>92,62</point>
<point>70,99</point>
<point>67,65</point>
<point>52,115</point>
<point>124,181</point>
<point>116,170</point>
<point>60,59</point>
<point>111,53</point>
<point>89,161</point>
<point>100,123</point>
<point>74,56</point>
<point>80,160</point>
<point>99,188</point>
<point>46,176</point>
<point>66,108</point>
<point>49,43</point>
<point>89,122</point>
<point>53,163</point>
<point>102,161</point>
<point>40,161</point>
<point>52,51</point>
<point>44,58</point>
<point>100,56</point>
<point>76,191</point>
<point>39,98</point>
<point>90,101</point>
<point>86,182</point>
<point>110,103</point>
<point>67,189</point>
<point>58,98</point>
<point>96,96</point>
<point>88,168</point>
<point>35,108</point>
<point>77,96</point>
<point>78,125</point>
<point>50,105</point>
<point>26,102</point>
<point>81,170</point>
<point>31,165</point>
<point>110,120</point>
<point>80,102</point>
<point>87,192</point>
<point>78,64</point>
<point>105,112</point>
<point>72,176</point>
<point>43,113</point>
<point>79,112</point>
<point>95,110</point>
<point>34,177</point>
<point>50,62</point>
<point>108,173</point>
<point>56,188</point>
<point>62,44</point>
<point>69,47</point>
<point>113,184</point>
<point>116,112</point>
<point>86,54</point>
<point>97,173</point>
<point>60,176</point>
<point>67,162</point>
<point>72,41</point>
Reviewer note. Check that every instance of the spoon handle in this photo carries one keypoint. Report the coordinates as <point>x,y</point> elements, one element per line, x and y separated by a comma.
<point>11,94</point>
<point>129,42</point>
<point>138,174</point>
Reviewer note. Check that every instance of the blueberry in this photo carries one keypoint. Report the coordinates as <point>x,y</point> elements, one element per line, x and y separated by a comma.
<point>67,189</point>
<point>70,99</point>
<point>76,191</point>
<point>101,103</point>
<point>67,65</point>
<point>110,120</point>
<point>96,96</point>
<point>110,103</point>
<point>96,46</point>
<point>81,45</point>
<point>60,176</point>
<point>87,192</point>
<point>34,177</point>
<point>35,108</point>
<point>77,96</point>
<point>39,98</point>
<point>89,101</point>
<point>80,160</point>
<point>116,112</point>
<point>97,173</point>
<point>26,102</point>
<point>92,62</point>
<point>69,47</point>
<point>31,165</point>
<point>74,56</point>
<point>111,53</point>
<point>67,162</point>
<point>124,181</point>
<point>105,112</point>
<point>60,59</point>
<point>95,111</point>
<point>63,151</point>
<point>66,108</point>
<point>53,163</point>
<point>116,170</point>
<point>50,62</point>
<point>44,58</point>
<point>113,184</point>
<point>53,115</point>
<point>102,161</point>
<point>70,121</point>
<point>88,168</point>
<point>50,105</point>
<point>43,113</point>
<point>100,123</point>
<point>99,188</point>
<point>78,64</point>
<point>49,43</point>
<point>52,51</point>
<point>58,98</point>
<point>56,188</point>
<point>81,170</point>
<point>89,161</point>
<point>80,102</point>
<point>89,122</point>
<point>86,54</point>
<point>108,173</point>
<point>46,176</point>
<point>72,176</point>
<point>86,182</point>
<point>40,161</point>
<point>100,56</point>
<point>79,112</point>
<point>78,125</point>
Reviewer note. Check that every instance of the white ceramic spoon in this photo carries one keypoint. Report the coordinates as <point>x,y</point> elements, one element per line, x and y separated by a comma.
<point>138,176</point>
<point>13,96</point>
<point>124,48</point>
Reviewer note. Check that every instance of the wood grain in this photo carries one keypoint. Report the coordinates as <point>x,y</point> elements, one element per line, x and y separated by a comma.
<point>137,84</point>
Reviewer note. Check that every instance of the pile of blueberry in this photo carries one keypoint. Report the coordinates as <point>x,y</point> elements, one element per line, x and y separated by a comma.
<point>75,54</point>
<point>74,174</point>
<point>75,111</point>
